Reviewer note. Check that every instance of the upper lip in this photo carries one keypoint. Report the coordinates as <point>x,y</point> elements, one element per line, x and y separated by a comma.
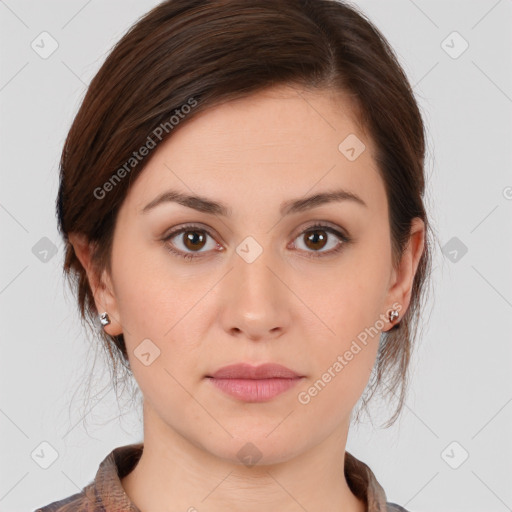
<point>248,371</point>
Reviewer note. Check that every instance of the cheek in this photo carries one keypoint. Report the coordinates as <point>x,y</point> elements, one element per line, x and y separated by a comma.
<point>350,304</point>
<point>148,301</point>
<point>343,359</point>
<point>157,301</point>
<point>351,296</point>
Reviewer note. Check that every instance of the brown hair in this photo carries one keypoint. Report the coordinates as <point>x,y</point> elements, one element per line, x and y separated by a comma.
<point>205,52</point>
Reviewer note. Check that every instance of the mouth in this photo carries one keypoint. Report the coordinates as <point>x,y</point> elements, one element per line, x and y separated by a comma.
<point>254,383</point>
<point>247,371</point>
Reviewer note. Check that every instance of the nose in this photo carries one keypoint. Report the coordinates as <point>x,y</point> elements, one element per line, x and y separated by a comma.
<point>255,300</point>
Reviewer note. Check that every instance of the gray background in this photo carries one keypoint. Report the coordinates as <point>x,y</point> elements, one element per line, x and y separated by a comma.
<point>461,380</point>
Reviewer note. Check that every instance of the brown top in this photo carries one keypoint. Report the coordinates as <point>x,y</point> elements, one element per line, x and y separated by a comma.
<point>106,494</point>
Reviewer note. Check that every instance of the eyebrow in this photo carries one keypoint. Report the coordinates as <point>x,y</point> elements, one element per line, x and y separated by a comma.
<point>205,205</point>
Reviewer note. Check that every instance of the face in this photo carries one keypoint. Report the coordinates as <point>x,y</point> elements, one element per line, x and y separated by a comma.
<point>263,276</point>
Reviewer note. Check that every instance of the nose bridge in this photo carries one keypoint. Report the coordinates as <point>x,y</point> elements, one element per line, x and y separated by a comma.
<point>253,264</point>
<point>255,301</point>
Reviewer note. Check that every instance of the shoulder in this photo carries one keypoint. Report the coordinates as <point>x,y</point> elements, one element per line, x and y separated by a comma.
<point>393,507</point>
<point>105,493</point>
<point>78,502</point>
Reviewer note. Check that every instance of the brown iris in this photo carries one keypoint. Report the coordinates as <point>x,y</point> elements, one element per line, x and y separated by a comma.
<point>314,237</point>
<point>192,238</point>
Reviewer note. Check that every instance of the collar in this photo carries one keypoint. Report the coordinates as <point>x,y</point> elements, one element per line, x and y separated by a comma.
<point>106,489</point>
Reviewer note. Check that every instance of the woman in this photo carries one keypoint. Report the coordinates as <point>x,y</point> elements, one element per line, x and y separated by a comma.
<point>241,197</point>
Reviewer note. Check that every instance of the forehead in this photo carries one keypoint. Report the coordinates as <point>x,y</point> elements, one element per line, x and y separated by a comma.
<point>272,121</point>
<point>278,143</point>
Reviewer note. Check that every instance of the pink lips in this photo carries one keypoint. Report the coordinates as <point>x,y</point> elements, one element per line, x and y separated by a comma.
<point>254,383</point>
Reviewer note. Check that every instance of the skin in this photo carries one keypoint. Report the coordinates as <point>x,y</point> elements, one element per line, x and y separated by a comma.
<point>252,154</point>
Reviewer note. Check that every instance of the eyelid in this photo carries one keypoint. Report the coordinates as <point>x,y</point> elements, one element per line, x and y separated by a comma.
<point>295,233</point>
<point>191,226</point>
<point>319,224</point>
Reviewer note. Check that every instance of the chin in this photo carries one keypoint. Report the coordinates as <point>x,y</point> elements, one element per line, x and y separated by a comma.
<point>250,446</point>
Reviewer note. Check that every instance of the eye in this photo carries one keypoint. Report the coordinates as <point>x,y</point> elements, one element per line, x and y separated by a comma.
<point>192,238</point>
<point>317,237</point>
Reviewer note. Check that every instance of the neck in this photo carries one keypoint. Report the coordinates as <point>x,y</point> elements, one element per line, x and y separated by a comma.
<point>175,473</point>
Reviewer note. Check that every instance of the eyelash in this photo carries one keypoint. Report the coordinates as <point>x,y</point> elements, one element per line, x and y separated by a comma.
<point>318,254</point>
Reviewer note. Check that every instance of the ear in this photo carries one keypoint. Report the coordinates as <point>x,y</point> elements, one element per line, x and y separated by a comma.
<point>101,286</point>
<point>402,278</point>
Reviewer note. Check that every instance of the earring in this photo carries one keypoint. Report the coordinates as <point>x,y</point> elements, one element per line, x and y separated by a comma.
<point>393,315</point>
<point>104,319</point>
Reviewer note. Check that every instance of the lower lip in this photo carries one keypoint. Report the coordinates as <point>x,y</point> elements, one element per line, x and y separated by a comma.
<point>254,390</point>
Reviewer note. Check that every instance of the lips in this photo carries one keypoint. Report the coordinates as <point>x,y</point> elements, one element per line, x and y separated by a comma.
<point>247,371</point>
<point>254,383</point>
